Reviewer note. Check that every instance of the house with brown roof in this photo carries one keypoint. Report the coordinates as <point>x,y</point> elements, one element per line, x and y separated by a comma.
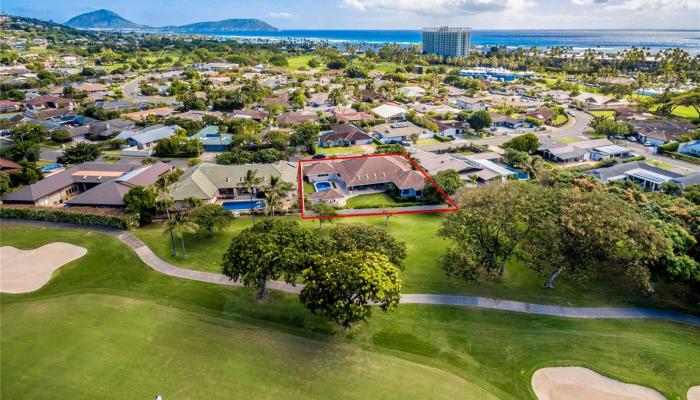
<point>344,135</point>
<point>42,102</point>
<point>256,115</point>
<point>356,176</point>
<point>660,131</point>
<point>351,116</point>
<point>543,114</point>
<point>9,166</point>
<point>160,112</point>
<point>296,118</point>
<point>92,184</point>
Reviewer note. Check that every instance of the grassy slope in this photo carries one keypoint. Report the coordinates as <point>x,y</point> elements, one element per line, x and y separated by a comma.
<point>423,273</point>
<point>119,330</point>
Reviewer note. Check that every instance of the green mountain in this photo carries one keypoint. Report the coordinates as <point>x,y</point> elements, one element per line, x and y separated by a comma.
<point>102,19</point>
<point>227,25</point>
<point>105,19</point>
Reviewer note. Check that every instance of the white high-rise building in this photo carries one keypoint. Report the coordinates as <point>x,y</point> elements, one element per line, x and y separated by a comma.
<point>446,41</point>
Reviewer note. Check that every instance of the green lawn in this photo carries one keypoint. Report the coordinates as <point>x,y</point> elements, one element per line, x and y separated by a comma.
<point>685,112</point>
<point>374,200</point>
<point>567,140</point>
<point>295,63</point>
<point>424,275</point>
<point>110,327</point>
<point>427,142</point>
<point>604,113</point>
<point>560,119</point>
<point>340,150</point>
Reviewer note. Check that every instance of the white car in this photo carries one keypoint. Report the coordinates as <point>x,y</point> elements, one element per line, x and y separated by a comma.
<point>573,114</point>
<point>631,138</point>
<point>647,144</point>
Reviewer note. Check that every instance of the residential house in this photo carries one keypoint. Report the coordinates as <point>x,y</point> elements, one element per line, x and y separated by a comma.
<point>471,103</point>
<point>690,148</point>
<point>543,114</point>
<point>213,183</point>
<point>351,116</point>
<point>198,115</point>
<point>160,112</point>
<point>370,96</point>
<point>43,102</point>
<point>355,176</point>
<point>212,140</point>
<point>9,166</point>
<point>218,67</point>
<point>412,92</point>
<point>296,118</point>
<point>7,106</point>
<point>143,141</point>
<point>596,149</point>
<point>398,132</point>
<point>593,100</point>
<point>106,129</point>
<point>648,177</point>
<point>452,128</point>
<point>660,131</point>
<point>320,99</point>
<point>479,169</point>
<point>345,135</point>
<point>390,112</point>
<point>93,184</point>
<point>257,115</point>
<point>503,121</point>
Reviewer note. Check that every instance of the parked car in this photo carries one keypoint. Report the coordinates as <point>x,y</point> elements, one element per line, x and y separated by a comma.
<point>631,138</point>
<point>619,137</point>
<point>318,156</point>
<point>573,114</point>
<point>647,144</point>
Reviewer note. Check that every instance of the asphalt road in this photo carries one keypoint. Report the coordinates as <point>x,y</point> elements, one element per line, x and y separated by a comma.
<point>132,93</point>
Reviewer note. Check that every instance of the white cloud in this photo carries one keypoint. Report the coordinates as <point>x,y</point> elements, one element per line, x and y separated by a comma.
<point>281,15</point>
<point>438,7</point>
<point>643,5</point>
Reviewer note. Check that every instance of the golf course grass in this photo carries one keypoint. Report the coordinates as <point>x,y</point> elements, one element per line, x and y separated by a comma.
<point>424,275</point>
<point>106,326</point>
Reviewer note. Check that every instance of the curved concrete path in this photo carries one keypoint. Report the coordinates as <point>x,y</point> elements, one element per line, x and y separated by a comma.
<point>149,258</point>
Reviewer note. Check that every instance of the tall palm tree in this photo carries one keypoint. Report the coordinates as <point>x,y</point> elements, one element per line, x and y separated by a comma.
<point>251,181</point>
<point>162,187</point>
<point>275,191</point>
<point>181,224</point>
<point>533,166</point>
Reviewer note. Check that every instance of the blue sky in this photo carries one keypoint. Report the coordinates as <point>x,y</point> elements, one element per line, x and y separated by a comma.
<point>386,14</point>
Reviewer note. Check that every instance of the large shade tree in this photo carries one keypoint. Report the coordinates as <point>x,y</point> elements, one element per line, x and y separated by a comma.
<point>269,250</point>
<point>345,287</point>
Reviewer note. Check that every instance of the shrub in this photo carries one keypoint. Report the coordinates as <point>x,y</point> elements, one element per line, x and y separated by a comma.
<point>443,139</point>
<point>636,158</point>
<point>668,147</point>
<point>74,215</point>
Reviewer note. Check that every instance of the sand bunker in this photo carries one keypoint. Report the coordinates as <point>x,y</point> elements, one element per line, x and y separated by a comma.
<point>24,271</point>
<point>577,383</point>
<point>694,393</point>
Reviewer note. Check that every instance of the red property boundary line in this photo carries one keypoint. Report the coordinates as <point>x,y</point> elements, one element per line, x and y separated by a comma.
<point>300,180</point>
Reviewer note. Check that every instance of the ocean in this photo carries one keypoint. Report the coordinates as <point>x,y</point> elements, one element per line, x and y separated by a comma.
<point>655,40</point>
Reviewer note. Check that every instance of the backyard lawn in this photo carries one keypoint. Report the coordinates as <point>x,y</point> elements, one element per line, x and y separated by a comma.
<point>427,142</point>
<point>567,139</point>
<point>340,150</point>
<point>374,200</point>
<point>603,113</point>
<point>112,328</point>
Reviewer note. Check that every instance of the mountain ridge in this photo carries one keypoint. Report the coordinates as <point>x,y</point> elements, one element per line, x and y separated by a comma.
<point>108,20</point>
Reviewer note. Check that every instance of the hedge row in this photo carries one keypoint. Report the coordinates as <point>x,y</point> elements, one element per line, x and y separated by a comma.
<point>682,157</point>
<point>73,215</point>
<point>443,139</point>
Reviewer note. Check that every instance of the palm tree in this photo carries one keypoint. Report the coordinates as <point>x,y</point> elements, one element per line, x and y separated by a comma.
<point>533,166</point>
<point>251,181</point>
<point>223,129</point>
<point>162,187</point>
<point>274,192</point>
<point>181,224</point>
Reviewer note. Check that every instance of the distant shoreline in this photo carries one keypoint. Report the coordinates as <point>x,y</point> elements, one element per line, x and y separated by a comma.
<point>607,40</point>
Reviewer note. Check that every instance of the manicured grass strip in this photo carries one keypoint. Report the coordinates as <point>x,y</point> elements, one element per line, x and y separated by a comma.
<point>567,140</point>
<point>424,275</point>
<point>374,200</point>
<point>341,150</point>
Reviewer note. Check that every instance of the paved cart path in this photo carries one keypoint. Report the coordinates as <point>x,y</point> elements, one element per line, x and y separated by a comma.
<point>153,261</point>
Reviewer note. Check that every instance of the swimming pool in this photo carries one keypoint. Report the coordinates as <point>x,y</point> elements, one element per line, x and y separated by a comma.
<point>243,205</point>
<point>521,175</point>
<point>321,186</point>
